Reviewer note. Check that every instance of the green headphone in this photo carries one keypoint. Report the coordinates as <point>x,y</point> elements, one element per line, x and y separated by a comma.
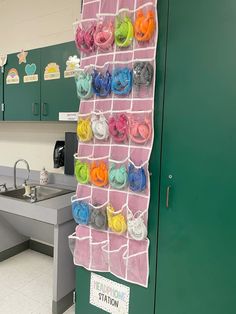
<point>124,32</point>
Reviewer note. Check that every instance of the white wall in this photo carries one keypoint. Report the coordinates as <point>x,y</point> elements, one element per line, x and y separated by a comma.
<point>29,24</point>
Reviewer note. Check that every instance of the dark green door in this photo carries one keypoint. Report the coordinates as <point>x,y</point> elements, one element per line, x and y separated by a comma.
<point>1,94</point>
<point>197,233</point>
<point>58,94</point>
<point>22,99</point>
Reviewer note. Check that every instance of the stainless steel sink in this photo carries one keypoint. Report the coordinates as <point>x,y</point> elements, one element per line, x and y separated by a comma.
<point>43,193</point>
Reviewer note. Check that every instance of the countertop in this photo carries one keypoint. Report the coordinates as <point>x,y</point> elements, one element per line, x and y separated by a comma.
<point>54,211</point>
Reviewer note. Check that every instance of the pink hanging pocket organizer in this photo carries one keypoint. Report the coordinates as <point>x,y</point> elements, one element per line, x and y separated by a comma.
<point>116,240</point>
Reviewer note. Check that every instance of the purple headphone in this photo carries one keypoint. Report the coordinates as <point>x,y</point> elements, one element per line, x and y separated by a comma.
<point>119,128</point>
<point>84,39</point>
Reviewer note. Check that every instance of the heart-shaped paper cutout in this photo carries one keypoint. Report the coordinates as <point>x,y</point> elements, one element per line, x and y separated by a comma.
<point>30,69</point>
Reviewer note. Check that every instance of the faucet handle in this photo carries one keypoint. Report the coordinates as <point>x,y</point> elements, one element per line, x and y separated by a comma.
<point>3,186</point>
<point>33,194</point>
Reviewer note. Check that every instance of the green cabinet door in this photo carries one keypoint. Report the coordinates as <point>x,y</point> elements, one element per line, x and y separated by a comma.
<point>22,100</point>
<point>59,94</point>
<point>1,94</point>
<point>196,271</point>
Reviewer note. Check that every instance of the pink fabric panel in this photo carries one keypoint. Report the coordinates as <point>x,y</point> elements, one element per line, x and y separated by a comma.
<point>82,247</point>
<point>89,9</point>
<point>86,107</point>
<point>108,6</point>
<point>117,249</point>
<point>137,262</point>
<point>104,250</point>
<point>99,258</point>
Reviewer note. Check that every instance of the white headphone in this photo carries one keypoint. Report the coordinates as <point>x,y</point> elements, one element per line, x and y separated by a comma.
<point>136,227</point>
<point>99,127</point>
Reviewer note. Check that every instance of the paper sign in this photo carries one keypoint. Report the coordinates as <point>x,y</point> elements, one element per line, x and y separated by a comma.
<point>31,78</point>
<point>109,295</point>
<point>52,72</point>
<point>30,70</point>
<point>13,77</point>
<point>71,65</point>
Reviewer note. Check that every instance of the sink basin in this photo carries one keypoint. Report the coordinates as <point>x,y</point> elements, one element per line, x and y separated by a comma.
<point>43,193</point>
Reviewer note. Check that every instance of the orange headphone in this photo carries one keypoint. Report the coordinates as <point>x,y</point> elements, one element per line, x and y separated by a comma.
<point>144,26</point>
<point>99,173</point>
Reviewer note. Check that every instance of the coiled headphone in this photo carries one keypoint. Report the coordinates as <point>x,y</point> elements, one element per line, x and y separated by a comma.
<point>121,81</point>
<point>100,127</point>
<point>142,73</point>
<point>137,178</point>
<point>116,222</point>
<point>81,212</point>
<point>99,173</point>
<point>98,218</point>
<point>84,39</point>
<point>119,128</point>
<point>136,227</point>
<point>144,26</point>
<point>104,36</point>
<point>82,172</point>
<point>118,177</point>
<point>84,130</point>
<point>84,85</point>
<point>140,132</point>
<point>101,83</point>
<point>124,32</point>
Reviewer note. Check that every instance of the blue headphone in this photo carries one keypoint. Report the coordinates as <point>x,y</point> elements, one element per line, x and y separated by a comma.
<point>137,178</point>
<point>101,83</point>
<point>81,212</point>
<point>121,81</point>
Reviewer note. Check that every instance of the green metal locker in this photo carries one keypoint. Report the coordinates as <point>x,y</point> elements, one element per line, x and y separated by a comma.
<point>196,270</point>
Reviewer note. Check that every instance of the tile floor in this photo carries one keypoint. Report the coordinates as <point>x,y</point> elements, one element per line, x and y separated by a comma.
<point>26,284</point>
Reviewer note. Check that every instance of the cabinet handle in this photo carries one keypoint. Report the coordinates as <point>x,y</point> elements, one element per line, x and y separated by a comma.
<point>168,196</point>
<point>35,110</point>
<point>44,109</point>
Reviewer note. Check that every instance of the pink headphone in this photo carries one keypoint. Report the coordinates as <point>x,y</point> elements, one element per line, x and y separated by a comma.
<point>104,35</point>
<point>140,132</point>
<point>119,127</point>
<point>84,39</point>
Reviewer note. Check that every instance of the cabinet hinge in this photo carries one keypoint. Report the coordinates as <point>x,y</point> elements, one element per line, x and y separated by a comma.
<point>3,107</point>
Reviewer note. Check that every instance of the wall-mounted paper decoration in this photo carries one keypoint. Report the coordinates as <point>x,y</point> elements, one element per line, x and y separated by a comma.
<point>30,76</point>
<point>12,77</point>
<point>109,295</point>
<point>22,56</point>
<point>72,64</point>
<point>52,72</point>
<point>3,60</point>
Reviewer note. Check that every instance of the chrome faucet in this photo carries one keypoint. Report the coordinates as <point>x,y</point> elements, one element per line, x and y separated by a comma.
<point>28,170</point>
